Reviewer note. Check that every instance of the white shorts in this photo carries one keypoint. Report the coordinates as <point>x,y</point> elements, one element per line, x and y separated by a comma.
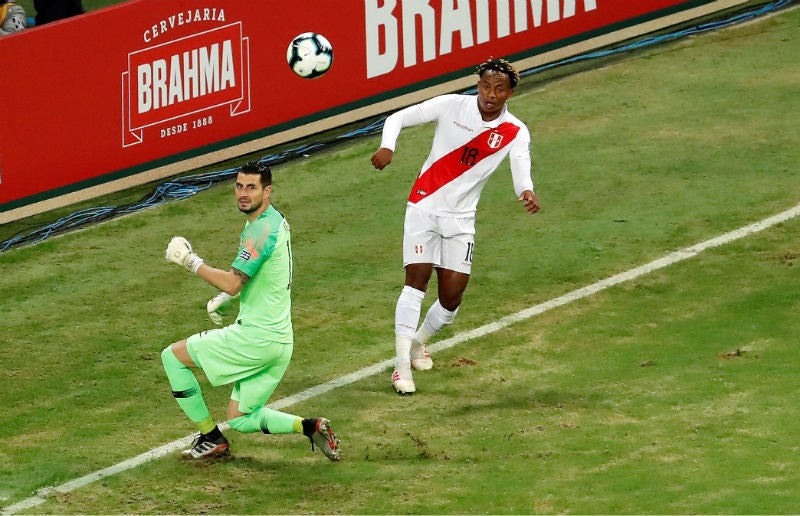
<point>446,242</point>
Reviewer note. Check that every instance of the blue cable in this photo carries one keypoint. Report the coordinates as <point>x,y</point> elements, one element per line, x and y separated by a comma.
<point>188,186</point>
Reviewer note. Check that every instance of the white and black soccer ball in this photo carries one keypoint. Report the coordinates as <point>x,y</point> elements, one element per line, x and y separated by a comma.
<point>309,55</point>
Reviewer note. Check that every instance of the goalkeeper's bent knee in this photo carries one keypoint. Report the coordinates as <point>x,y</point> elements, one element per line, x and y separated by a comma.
<point>186,390</point>
<point>178,375</point>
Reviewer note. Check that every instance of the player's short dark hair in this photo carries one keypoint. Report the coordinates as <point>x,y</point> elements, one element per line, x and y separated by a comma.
<point>499,65</point>
<point>262,169</point>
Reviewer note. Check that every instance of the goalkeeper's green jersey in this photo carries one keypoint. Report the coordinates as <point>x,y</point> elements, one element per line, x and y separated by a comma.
<point>265,254</point>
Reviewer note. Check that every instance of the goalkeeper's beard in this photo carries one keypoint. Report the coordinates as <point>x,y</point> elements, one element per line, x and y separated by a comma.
<point>254,206</point>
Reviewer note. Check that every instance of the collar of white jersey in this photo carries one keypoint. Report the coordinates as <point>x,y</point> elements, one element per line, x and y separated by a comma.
<point>491,124</point>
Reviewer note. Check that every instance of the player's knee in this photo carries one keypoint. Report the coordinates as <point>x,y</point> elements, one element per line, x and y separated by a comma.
<point>449,306</point>
<point>167,356</point>
<point>418,275</point>
<point>170,361</point>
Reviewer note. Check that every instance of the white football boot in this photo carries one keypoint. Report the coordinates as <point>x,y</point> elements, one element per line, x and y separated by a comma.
<point>402,381</point>
<point>420,358</point>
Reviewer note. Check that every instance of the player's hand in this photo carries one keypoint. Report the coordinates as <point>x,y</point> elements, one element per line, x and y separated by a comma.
<point>382,157</point>
<point>529,200</point>
<point>179,251</point>
<point>217,306</point>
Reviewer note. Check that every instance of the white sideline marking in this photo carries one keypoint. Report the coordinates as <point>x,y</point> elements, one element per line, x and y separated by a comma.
<point>675,257</point>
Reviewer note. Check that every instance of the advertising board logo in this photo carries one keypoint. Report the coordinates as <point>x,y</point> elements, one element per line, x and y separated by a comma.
<point>175,85</point>
<point>399,33</point>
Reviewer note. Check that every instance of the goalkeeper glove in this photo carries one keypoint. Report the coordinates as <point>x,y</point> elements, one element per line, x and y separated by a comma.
<point>179,251</point>
<point>218,305</point>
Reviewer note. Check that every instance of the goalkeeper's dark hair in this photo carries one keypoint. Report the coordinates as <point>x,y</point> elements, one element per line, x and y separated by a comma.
<point>499,65</point>
<point>262,169</point>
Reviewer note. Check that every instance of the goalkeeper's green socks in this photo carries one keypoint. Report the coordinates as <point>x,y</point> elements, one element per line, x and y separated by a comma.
<point>186,390</point>
<point>268,421</point>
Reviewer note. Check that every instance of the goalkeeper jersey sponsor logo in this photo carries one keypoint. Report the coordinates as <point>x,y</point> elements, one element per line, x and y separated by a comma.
<point>248,250</point>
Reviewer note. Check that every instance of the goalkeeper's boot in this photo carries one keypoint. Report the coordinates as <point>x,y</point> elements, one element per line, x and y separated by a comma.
<point>321,435</point>
<point>420,358</point>
<point>403,381</point>
<point>205,447</point>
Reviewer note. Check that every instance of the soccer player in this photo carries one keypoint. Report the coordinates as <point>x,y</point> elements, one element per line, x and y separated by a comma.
<point>472,137</point>
<point>254,351</point>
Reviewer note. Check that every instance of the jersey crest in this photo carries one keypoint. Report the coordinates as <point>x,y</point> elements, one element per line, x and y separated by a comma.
<point>495,140</point>
<point>460,160</point>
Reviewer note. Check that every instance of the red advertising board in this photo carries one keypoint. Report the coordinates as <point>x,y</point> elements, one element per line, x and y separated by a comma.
<point>114,92</point>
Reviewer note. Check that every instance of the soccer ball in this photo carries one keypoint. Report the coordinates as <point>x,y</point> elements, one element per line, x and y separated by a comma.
<point>309,55</point>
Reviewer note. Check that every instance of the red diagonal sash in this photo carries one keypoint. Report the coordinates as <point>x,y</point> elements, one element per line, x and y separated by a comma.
<point>452,165</point>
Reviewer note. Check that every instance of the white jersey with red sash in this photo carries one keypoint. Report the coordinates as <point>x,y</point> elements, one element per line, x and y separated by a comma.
<point>465,152</point>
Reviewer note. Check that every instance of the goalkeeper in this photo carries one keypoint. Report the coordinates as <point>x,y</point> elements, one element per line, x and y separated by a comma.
<point>254,351</point>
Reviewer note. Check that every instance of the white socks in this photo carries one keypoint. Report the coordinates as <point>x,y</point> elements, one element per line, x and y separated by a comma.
<point>406,315</point>
<point>407,312</point>
<point>437,318</point>
<point>406,318</point>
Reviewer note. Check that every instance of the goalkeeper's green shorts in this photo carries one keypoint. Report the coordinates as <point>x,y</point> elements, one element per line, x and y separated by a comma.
<point>237,354</point>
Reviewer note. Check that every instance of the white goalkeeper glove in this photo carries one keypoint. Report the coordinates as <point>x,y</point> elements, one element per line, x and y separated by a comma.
<point>218,306</point>
<point>179,251</point>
